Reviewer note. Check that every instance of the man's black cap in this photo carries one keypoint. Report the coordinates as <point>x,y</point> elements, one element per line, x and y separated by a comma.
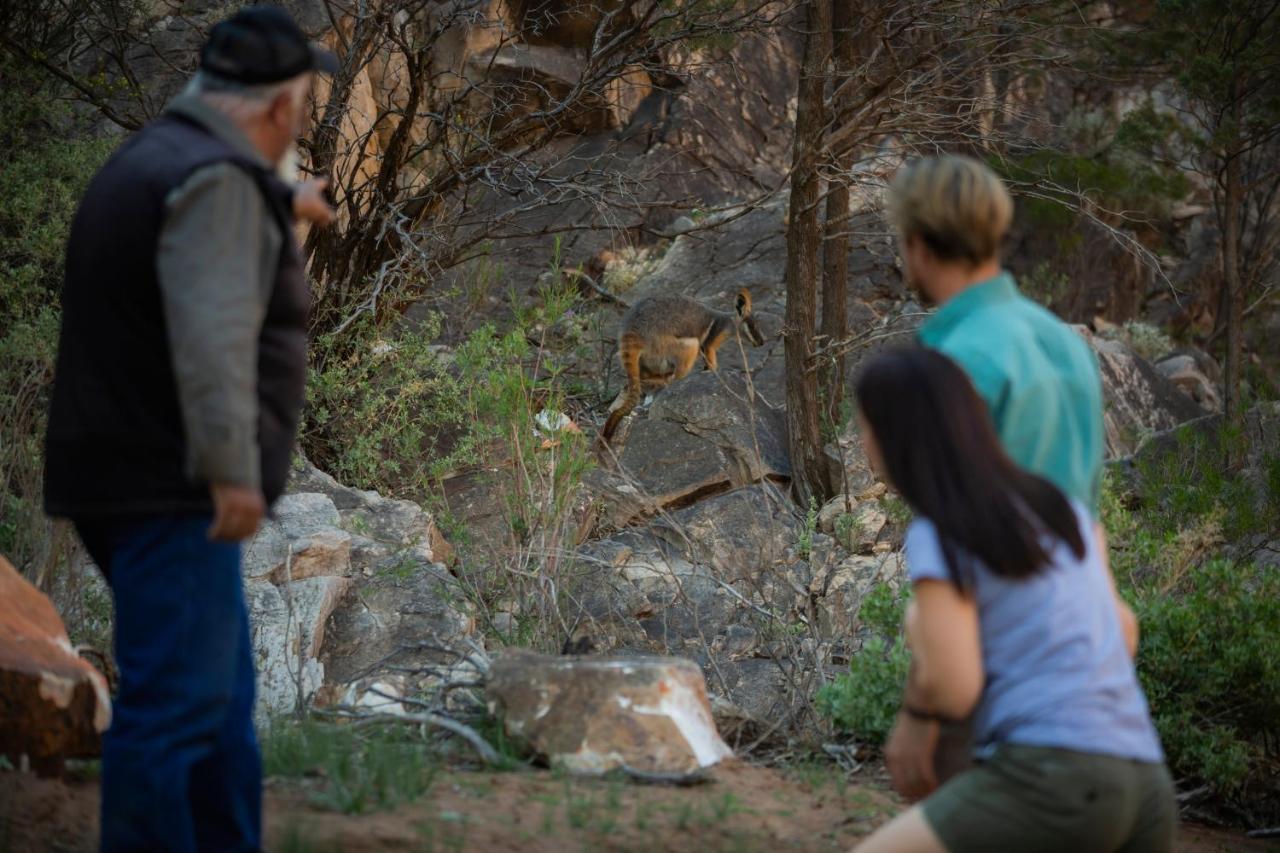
<point>260,45</point>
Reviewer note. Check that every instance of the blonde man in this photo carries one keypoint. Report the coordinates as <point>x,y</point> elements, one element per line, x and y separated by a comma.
<point>1038,378</point>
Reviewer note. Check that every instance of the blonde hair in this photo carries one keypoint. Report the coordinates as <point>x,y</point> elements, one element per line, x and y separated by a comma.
<point>956,205</point>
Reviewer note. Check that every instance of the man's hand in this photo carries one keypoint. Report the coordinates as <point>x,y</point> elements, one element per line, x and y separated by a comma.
<point>909,754</point>
<point>237,512</point>
<point>310,204</point>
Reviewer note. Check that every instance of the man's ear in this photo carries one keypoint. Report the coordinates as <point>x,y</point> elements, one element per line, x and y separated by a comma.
<point>281,110</point>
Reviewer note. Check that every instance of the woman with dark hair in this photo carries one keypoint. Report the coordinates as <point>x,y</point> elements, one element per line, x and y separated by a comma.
<point>1016,619</point>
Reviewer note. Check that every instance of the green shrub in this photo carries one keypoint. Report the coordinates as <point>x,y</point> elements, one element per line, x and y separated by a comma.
<point>378,417</point>
<point>864,702</point>
<point>1146,340</point>
<point>1209,661</point>
<point>1209,656</point>
<point>48,161</point>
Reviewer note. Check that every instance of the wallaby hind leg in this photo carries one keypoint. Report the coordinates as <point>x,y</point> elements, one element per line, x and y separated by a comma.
<point>709,351</point>
<point>629,349</point>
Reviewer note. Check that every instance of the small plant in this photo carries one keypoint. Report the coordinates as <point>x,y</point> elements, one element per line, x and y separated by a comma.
<point>362,769</point>
<point>804,543</point>
<point>864,702</point>
<point>377,409</point>
<point>1044,285</point>
<point>298,840</point>
<point>627,267</point>
<point>896,510</point>
<point>1144,339</point>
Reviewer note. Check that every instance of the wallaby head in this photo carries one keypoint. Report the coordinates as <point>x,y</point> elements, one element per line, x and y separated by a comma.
<point>743,307</point>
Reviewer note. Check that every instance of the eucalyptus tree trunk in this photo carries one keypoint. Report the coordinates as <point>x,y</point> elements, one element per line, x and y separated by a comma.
<point>811,478</point>
<point>835,246</point>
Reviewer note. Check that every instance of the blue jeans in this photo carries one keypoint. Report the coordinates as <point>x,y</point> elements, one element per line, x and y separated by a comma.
<point>180,763</point>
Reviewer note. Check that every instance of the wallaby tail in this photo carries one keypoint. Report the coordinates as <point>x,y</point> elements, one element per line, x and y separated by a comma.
<point>630,346</point>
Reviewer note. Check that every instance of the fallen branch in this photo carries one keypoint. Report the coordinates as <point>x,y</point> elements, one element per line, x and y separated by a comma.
<point>1193,794</point>
<point>580,278</point>
<point>487,753</point>
<point>695,777</point>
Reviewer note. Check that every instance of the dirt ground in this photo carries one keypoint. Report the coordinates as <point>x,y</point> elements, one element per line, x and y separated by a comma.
<point>743,808</point>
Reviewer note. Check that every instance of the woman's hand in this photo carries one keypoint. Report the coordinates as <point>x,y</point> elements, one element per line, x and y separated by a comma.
<point>909,754</point>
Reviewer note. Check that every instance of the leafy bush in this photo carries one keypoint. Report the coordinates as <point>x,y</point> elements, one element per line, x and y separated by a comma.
<point>1105,164</point>
<point>379,414</point>
<point>48,161</point>
<point>1210,665</point>
<point>864,702</point>
<point>1209,658</point>
<point>1146,340</point>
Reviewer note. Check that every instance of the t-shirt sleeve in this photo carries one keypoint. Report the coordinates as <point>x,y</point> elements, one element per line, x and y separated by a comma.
<point>925,560</point>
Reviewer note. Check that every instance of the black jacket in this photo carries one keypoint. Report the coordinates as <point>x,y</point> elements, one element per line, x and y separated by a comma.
<point>115,440</point>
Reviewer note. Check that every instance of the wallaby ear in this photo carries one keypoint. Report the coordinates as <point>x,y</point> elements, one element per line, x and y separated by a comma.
<point>743,303</point>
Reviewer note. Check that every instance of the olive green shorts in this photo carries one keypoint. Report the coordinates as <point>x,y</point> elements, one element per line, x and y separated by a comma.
<point>1044,799</point>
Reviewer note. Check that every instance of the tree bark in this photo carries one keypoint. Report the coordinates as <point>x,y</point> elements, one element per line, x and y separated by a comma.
<point>835,246</point>
<point>811,479</point>
<point>1232,203</point>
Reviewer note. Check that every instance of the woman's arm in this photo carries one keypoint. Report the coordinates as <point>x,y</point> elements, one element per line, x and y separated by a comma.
<point>942,631</point>
<point>1128,622</point>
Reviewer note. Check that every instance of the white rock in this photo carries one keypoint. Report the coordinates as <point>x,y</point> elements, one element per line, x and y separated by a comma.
<point>287,630</point>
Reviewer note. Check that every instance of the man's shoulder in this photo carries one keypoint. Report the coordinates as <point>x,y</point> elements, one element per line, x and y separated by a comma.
<point>219,177</point>
<point>1007,328</point>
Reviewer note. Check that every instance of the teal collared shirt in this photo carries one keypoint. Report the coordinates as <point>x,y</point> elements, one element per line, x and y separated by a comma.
<point>1039,378</point>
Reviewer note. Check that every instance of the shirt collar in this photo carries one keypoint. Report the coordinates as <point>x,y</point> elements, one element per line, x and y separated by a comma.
<point>989,292</point>
<point>193,108</point>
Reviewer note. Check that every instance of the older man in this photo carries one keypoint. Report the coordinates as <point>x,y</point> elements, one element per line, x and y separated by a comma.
<point>178,391</point>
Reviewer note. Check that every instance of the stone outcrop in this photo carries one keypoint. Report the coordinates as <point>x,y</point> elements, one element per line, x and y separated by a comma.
<point>337,582</point>
<point>1138,400</point>
<point>591,715</point>
<point>406,612</point>
<point>53,703</point>
<point>1196,375</point>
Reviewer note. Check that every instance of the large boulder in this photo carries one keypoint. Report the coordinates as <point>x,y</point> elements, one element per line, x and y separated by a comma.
<point>595,714</point>
<point>1137,400</point>
<point>337,582</point>
<point>1196,375</point>
<point>408,612</point>
<point>53,704</point>
<point>687,581</point>
<point>516,79</point>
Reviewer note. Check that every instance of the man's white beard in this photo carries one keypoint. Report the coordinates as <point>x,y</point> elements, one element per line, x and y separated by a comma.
<point>287,167</point>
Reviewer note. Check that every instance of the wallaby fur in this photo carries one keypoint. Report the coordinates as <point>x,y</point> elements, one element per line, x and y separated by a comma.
<point>660,340</point>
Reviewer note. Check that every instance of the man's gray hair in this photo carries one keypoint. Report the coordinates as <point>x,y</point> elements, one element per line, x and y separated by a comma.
<point>241,101</point>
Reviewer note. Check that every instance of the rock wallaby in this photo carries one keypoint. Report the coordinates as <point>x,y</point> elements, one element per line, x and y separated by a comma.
<point>660,341</point>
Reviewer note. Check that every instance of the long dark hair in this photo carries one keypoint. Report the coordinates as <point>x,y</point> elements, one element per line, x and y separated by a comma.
<point>943,456</point>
